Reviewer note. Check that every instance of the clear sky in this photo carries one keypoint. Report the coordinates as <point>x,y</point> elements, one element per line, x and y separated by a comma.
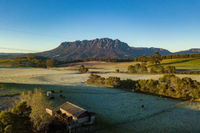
<point>37,25</point>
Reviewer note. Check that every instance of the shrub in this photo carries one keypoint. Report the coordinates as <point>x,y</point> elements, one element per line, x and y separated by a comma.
<point>157,69</point>
<point>16,120</point>
<point>131,69</point>
<point>83,69</point>
<point>156,58</point>
<point>112,82</point>
<point>50,63</point>
<point>117,71</point>
<point>128,84</point>
<point>138,68</point>
<point>107,82</point>
<point>38,102</point>
<point>170,69</point>
<point>96,80</point>
<point>143,68</point>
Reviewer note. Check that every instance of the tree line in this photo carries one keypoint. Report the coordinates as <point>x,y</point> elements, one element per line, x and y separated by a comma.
<point>172,56</point>
<point>16,120</point>
<point>35,61</point>
<point>143,68</point>
<point>136,59</point>
<point>155,60</point>
<point>169,85</point>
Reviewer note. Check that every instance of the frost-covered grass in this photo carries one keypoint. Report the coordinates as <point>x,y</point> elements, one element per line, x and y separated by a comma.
<point>65,77</point>
<point>120,111</point>
<point>117,110</point>
<point>100,66</point>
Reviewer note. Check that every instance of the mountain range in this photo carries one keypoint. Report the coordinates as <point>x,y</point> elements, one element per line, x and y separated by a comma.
<point>102,48</point>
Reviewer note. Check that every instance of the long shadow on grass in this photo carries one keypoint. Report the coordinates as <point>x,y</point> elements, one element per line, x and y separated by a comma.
<point>103,124</point>
<point>64,88</point>
<point>134,122</point>
<point>177,62</point>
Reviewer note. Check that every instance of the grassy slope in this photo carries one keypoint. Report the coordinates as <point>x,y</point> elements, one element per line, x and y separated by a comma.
<point>183,63</point>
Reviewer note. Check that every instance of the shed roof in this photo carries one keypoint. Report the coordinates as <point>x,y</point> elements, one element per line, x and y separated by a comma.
<point>72,109</point>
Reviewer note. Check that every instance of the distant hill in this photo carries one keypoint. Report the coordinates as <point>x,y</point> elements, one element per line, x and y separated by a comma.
<point>139,51</point>
<point>98,48</point>
<point>190,51</point>
<point>10,55</point>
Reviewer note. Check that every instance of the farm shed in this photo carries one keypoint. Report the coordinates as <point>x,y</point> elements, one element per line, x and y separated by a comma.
<point>76,113</point>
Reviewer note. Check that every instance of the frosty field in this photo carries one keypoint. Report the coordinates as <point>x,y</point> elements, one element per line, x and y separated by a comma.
<point>117,111</point>
<point>65,76</point>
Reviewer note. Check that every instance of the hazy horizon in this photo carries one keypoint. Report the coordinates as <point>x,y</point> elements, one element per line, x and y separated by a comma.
<point>34,25</point>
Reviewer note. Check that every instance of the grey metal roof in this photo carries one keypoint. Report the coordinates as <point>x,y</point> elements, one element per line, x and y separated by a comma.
<point>72,109</point>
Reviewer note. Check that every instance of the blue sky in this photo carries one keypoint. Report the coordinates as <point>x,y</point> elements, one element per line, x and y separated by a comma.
<point>37,25</point>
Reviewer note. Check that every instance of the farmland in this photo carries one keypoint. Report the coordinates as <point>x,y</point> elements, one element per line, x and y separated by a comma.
<point>183,63</point>
<point>187,64</point>
<point>117,110</point>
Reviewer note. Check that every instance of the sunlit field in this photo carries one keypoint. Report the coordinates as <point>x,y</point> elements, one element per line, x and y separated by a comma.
<point>7,63</point>
<point>183,63</point>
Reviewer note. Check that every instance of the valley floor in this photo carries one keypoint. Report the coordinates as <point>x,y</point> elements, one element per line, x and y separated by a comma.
<point>65,77</point>
<point>117,111</point>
